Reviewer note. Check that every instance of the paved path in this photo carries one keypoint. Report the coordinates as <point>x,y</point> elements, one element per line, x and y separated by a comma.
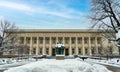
<point>112,68</point>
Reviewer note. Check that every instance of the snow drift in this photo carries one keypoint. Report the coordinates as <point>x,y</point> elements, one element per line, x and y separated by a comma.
<point>52,65</point>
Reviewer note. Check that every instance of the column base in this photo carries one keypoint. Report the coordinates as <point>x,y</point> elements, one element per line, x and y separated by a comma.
<point>60,57</point>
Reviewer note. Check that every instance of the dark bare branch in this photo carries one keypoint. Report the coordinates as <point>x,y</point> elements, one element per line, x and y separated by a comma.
<point>8,38</point>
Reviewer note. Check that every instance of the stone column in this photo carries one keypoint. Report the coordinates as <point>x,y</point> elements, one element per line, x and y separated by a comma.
<point>44,50</point>
<point>96,46</point>
<point>56,39</point>
<point>70,50</point>
<point>37,47</point>
<point>63,40</point>
<point>76,45</point>
<point>89,46</point>
<point>31,42</point>
<point>83,47</point>
<point>50,49</point>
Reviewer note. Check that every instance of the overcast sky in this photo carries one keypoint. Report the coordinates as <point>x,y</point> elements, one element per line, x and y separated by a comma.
<point>37,14</point>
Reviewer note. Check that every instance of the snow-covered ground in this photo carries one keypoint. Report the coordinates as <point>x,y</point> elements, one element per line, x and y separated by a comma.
<point>53,65</point>
<point>6,63</point>
<point>67,65</point>
<point>112,62</point>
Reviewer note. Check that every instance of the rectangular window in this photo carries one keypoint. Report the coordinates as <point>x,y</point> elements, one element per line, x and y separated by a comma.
<point>28,40</point>
<point>47,51</point>
<point>53,40</point>
<point>93,50</point>
<point>79,51</point>
<point>79,40</point>
<point>99,40</point>
<point>47,40</point>
<point>60,39</point>
<point>34,50</point>
<point>41,51</point>
<point>34,40</point>
<point>73,40</point>
<point>66,40</point>
<point>86,40</point>
<point>21,40</point>
<point>41,40</point>
<point>73,51</point>
<point>86,51</point>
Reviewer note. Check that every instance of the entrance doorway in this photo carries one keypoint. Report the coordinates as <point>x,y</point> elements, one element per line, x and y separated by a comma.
<point>53,51</point>
<point>66,52</point>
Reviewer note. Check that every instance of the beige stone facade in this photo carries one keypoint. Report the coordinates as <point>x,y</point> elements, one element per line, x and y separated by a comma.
<point>77,41</point>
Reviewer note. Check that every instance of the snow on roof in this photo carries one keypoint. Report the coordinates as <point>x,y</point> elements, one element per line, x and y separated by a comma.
<point>56,30</point>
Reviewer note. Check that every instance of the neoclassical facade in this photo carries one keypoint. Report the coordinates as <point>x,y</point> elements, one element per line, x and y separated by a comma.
<point>88,42</point>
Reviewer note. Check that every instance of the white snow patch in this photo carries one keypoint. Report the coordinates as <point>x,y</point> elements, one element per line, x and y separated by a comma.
<point>112,62</point>
<point>52,65</point>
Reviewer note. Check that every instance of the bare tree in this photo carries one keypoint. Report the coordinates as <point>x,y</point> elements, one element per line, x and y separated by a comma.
<point>105,15</point>
<point>107,52</point>
<point>23,50</point>
<point>7,38</point>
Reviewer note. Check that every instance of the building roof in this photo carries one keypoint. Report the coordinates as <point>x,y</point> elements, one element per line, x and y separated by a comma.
<point>55,30</point>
